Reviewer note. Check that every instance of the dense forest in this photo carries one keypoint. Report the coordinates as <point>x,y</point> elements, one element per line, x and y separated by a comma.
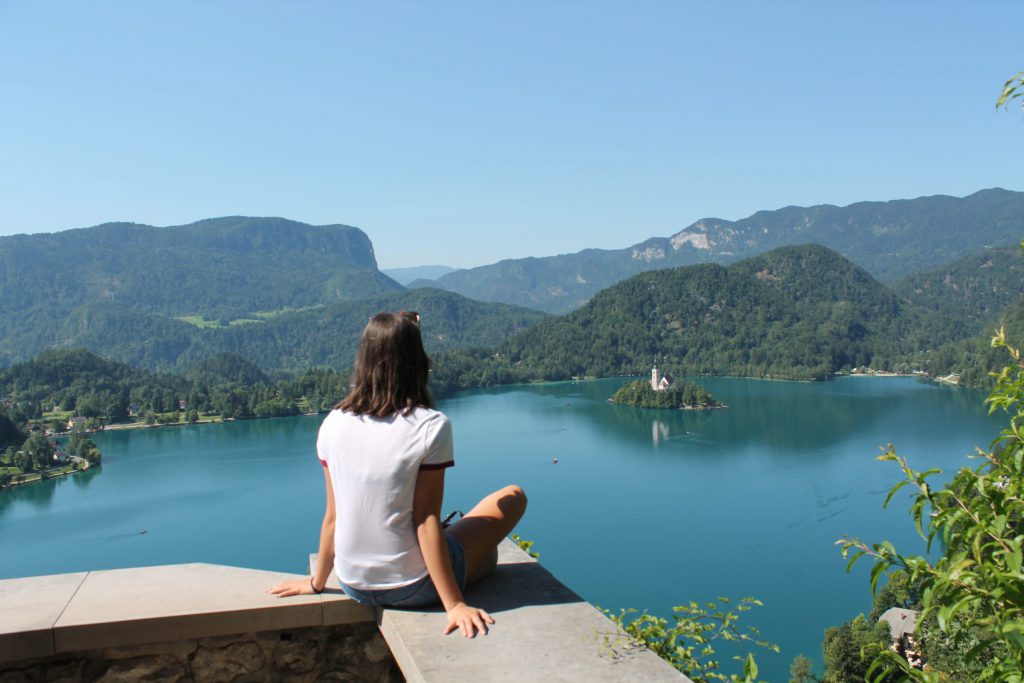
<point>80,383</point>
<point>289,341</point>
<point>975,289</point>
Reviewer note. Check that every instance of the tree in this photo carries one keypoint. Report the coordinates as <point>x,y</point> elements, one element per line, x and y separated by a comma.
<point>83,447</point>
<point>24,461</point>
<point>848,648</point>
<point>39,449</point>
<point>9,431</point>
<point>801,670</point>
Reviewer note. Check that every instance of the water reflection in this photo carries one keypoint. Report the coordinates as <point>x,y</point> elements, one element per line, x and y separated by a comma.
<point>659,431</point>
<point>40,494</point>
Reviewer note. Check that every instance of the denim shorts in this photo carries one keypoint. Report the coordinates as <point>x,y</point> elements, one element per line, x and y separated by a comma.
<point>419,593</point>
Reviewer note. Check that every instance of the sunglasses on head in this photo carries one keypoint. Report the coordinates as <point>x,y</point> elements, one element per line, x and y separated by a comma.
<point>411,316</point>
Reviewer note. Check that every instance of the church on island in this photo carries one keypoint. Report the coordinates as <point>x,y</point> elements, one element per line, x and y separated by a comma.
<point>660,382</point>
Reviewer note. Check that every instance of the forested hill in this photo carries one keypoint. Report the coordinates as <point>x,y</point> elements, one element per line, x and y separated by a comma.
<point>798,312</point>
<point>976,289</point>
<point>295,341</point>
<point>217,268</point>
<point>889,239</point>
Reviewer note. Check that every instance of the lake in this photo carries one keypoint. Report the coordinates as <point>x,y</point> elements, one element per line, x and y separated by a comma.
<point>643,509</point>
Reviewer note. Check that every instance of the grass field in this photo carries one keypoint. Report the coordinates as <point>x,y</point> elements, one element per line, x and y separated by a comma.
<point>202,323</point>
<point>258,317</point>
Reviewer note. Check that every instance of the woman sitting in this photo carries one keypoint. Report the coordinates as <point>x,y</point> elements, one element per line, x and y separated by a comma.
<point>384,451</point>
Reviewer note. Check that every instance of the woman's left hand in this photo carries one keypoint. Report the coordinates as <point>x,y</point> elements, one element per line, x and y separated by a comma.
<point>292,587</point>
<point>469,620</point>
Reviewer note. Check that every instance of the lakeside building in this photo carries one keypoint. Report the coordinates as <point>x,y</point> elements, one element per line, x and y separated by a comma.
<point>902,624</point>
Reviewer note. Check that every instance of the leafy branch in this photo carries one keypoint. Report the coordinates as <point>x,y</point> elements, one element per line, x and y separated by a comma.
<point>1013,89</point>
<point>686,641</point>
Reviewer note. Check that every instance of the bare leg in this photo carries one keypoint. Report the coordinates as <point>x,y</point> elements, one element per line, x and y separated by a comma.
<point>483,528</point>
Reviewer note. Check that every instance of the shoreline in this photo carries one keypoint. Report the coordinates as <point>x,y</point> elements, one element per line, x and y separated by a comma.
<point>121,426</point>
<point>49,474</point>
<point>628,405</point>
<point>882,374</point>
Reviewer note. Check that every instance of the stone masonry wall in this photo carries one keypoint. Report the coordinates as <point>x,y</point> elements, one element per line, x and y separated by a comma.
<point>349,653</point>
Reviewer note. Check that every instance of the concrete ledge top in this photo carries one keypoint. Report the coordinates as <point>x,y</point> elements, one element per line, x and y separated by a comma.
<point>543,632</point>
<point>28,610</point>
<point>46,615</point>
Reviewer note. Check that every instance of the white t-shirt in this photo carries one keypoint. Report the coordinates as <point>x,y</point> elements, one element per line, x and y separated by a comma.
<point>374,463</point>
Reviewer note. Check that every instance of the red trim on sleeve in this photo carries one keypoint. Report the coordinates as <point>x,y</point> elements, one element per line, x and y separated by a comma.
<point>440,466</point>
<point>323,462</point>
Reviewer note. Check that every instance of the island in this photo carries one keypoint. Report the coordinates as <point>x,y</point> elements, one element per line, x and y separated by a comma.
<point>662,391</point>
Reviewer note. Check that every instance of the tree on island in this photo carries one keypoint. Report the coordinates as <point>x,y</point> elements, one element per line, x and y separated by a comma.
<point>679,395</point>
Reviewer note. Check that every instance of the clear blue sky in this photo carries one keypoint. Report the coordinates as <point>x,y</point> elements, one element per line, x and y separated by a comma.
<point>463,133</point>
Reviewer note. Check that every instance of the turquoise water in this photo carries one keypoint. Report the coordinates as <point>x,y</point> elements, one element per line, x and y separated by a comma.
<point>643,509</point>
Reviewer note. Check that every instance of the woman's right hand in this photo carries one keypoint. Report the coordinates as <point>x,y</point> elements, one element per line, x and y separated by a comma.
<point>292,587</point>
<point>467,619</point>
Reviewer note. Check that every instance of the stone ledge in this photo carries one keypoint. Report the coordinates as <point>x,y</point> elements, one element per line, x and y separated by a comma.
<point>47,615</point>
<point>28,610</point>
<point>543,631</point>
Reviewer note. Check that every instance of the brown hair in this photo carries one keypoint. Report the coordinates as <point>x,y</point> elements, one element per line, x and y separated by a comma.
<point>391,369</point>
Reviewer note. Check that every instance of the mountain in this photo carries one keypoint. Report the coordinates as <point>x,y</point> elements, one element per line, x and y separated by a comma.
<point>292,341</point>
<point>889,239</point>
<point>217,268</point>
<point>799,312</point>
<point>423,274</point>
<point>221,268</point>
<point>278,293</point>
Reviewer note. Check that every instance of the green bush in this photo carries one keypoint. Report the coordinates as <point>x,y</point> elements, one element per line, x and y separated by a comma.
<point>687,640</point>
<point>972,597</point>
